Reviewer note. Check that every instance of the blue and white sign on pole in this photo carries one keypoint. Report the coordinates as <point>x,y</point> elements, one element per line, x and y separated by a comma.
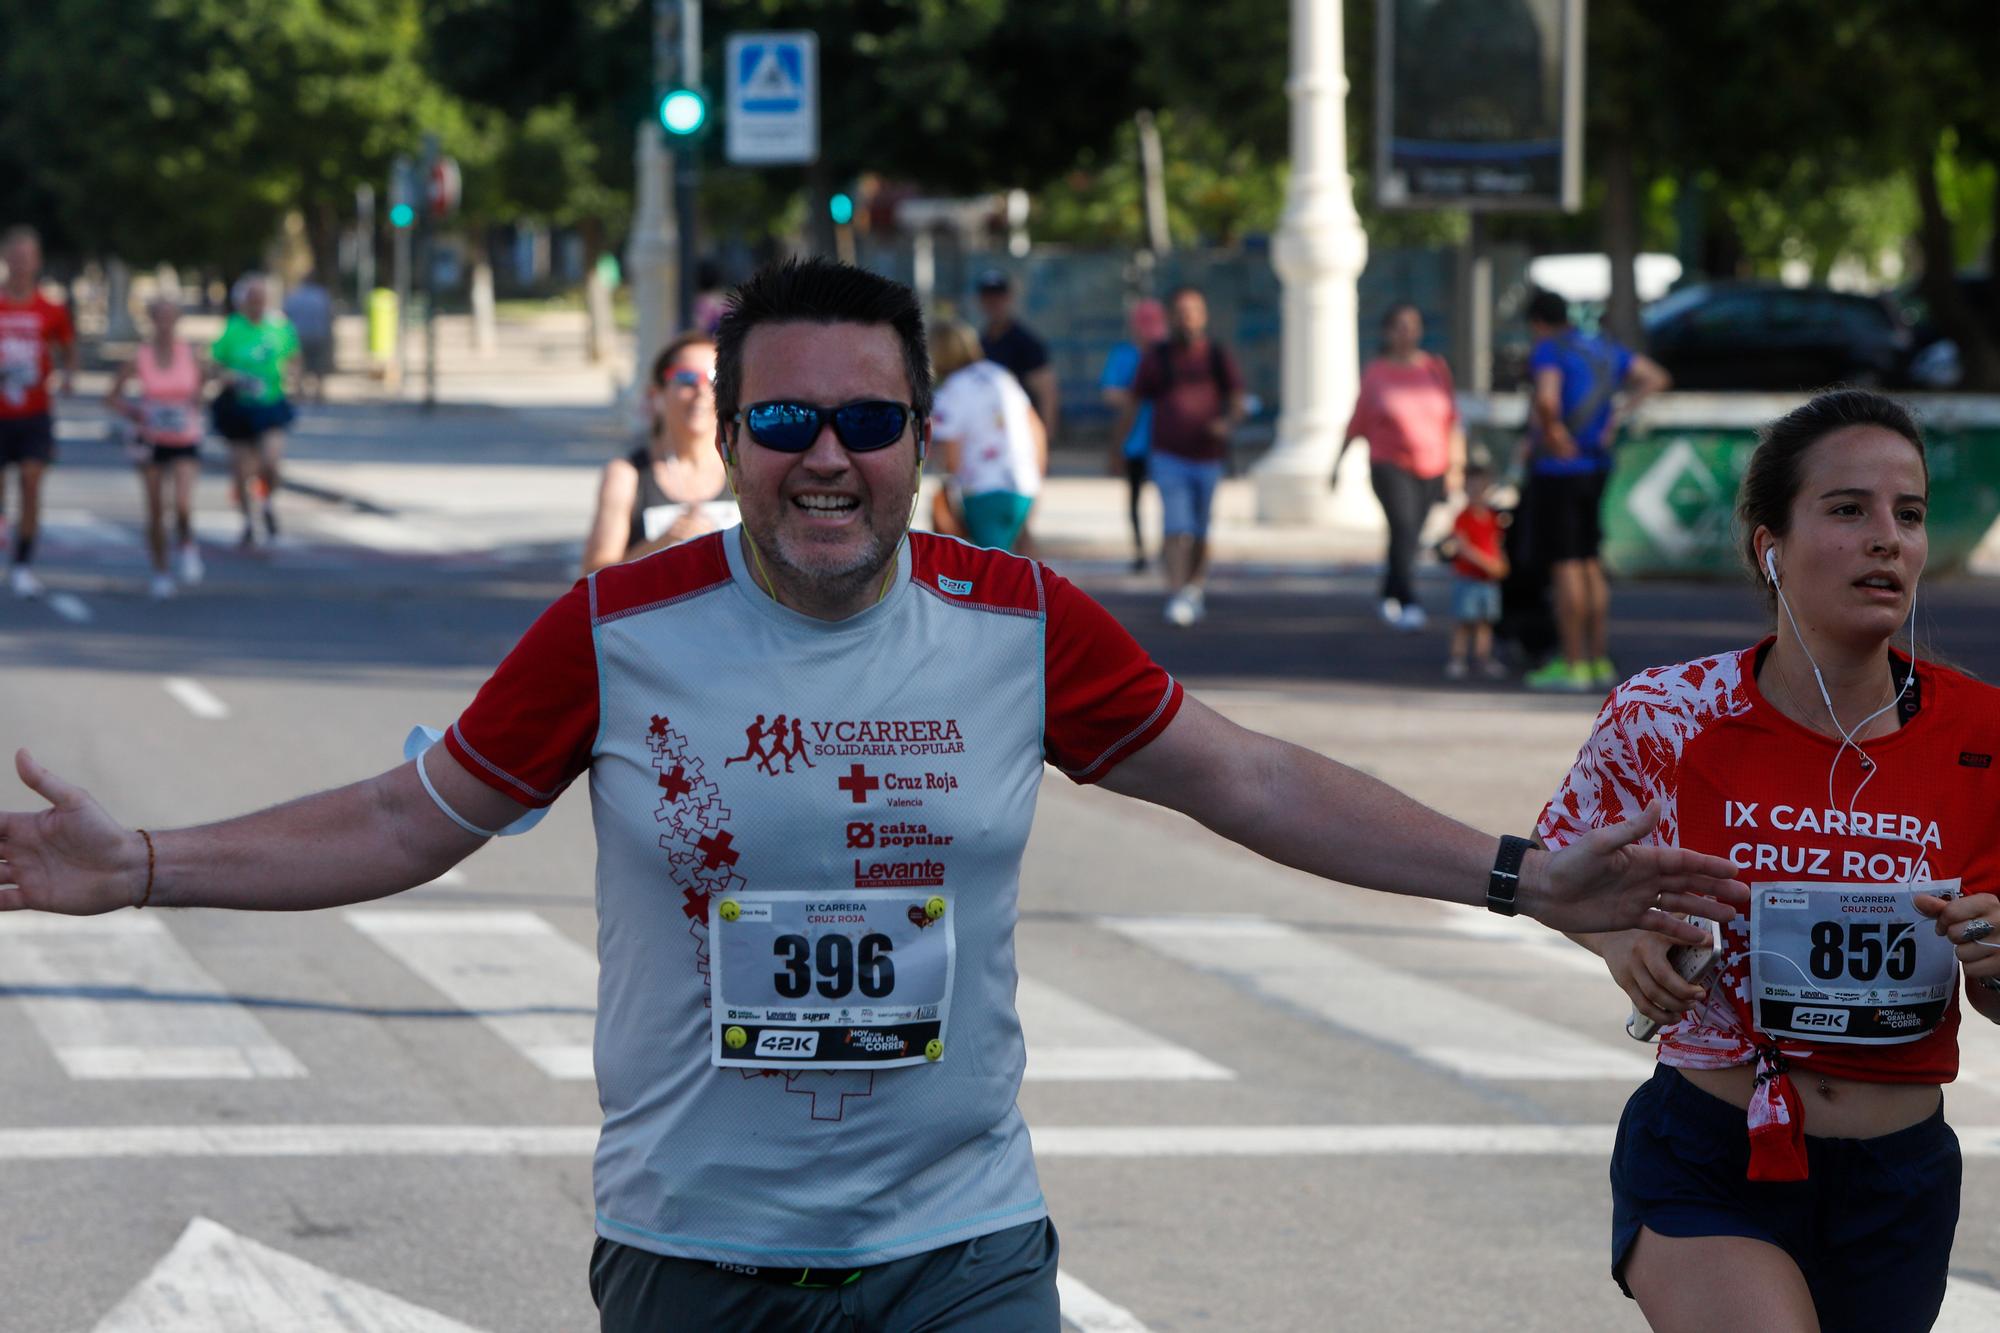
<point>772,101</point>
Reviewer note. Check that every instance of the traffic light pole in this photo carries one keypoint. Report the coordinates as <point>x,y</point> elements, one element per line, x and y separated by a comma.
<point>687,174</point>
<point>427,255</point>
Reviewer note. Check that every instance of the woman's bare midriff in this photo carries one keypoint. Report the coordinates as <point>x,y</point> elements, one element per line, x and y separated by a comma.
<point>1848,1109</point>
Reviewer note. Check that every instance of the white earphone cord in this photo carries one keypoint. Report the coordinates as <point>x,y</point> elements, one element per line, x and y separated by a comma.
<point>1847,738</point>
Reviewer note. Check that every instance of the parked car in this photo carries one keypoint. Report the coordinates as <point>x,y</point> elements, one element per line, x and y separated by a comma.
<point>1934,364</point>
<point>1756,335</point>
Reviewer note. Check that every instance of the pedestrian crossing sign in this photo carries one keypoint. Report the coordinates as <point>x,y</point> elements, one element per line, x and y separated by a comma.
<point>772,98</point>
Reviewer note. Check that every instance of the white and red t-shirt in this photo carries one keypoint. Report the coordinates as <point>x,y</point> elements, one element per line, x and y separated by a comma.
<point>1737,778</point>
<point>28,330</point>
<point>736,748</point>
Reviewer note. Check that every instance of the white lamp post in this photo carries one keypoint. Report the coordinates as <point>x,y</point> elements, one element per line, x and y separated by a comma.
<point>1318,252</point>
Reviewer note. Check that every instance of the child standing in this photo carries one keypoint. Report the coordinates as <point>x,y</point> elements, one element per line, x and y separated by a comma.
<point>1477,566</point>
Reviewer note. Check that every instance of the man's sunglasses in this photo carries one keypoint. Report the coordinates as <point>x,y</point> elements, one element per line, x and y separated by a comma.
<point>791,428</point>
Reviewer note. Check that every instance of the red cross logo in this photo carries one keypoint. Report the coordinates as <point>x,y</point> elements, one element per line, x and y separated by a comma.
<point>858,784</point>
<point>659,727</point>
<point>675,783</point>
<point>716,852</point>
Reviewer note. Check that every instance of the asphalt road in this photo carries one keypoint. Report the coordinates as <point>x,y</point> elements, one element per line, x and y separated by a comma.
<point>1261,1102</point>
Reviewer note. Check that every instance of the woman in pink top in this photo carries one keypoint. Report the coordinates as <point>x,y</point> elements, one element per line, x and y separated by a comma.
<point>167,415</point>
<point>1416,449</point>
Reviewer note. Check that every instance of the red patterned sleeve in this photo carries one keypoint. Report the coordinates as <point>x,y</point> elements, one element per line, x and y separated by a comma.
<point>531,728</point>
<point>1106,697</point>
<point>1605,785</point>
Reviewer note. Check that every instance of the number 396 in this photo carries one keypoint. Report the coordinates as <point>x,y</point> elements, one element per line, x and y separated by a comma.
<point>835,959</point>
<point>1860,951</point>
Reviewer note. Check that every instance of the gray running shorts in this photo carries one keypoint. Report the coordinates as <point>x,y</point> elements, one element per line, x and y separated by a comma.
<point>1000,1283</point>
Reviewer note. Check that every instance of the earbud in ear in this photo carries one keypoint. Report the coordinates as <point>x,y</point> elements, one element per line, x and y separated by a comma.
<point>1771,564</point>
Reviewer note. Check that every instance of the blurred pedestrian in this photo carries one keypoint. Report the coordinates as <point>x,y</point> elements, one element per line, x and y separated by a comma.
<point>251,412</point>
<point>167,417</point>
<point>1477,566</point>
<point>672,486</point>
<point>1416,449</point>
<point>31,326</point>
<point>1197,397</point>
<point>987,436</point>
<point>1573,420</point>
<point>1132,426</point>
<point>1010,343</point>
<point>310,308</point>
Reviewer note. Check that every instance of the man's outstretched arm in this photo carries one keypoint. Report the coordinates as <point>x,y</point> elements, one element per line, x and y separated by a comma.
<point>1304,810</point>
<point>347,845</point>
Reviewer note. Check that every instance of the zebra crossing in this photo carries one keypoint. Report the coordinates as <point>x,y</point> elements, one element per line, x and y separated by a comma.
<point>120,997</point>
<point>123,998</point>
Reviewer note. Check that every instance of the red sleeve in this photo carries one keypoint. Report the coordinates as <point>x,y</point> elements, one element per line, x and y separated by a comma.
<point>61,329</point>
<point>1605,786</point>
<point>531,728</point>
<point>1106,698</point>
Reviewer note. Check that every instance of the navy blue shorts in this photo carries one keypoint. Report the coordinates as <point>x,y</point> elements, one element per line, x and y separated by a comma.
<point>240,421</point>
<point>1871,1228</point>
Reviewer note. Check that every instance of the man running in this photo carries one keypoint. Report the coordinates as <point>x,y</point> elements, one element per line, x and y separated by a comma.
<point>809,1081</point>
<point>30,326</point>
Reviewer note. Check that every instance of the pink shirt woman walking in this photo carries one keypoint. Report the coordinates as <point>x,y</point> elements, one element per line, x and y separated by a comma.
<point>1416,449</point>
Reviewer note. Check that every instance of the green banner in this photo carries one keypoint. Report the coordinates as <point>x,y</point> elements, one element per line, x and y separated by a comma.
<point>1669,508</point>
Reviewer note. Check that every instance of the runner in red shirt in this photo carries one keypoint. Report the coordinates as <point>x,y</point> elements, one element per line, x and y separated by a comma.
<point>1788,1168</point>
<point>30,325</point>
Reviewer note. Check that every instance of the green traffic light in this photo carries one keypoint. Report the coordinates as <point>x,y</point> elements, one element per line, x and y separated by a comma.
<point>402,215</point>
<point>683,111</point>
<point>842,208</point>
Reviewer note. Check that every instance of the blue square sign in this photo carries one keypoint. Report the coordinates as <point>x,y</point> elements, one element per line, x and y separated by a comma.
<point>771,104</point>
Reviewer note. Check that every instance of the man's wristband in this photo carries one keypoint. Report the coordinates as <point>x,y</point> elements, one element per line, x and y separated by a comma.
<point>1503,885</point>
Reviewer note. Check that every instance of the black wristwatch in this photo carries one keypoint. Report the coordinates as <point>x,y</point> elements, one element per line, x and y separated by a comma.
<point>1505,881</point>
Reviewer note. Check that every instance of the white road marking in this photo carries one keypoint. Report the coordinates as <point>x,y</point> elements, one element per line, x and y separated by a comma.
<point>70,607</point>
<point>119,998</point>
<point>293,1141</point>
<point>1549,946</point>
<point>1969,1307</point>
<point>533,987</point>
<point>1422,1016</point>
<point>1070,1040</point>
<point>215,1281</point>
<point>80,527</point>
<point>194,697</point>
<point>1088,1312</point>
<point>1158,1141</point>
<point>1152,1142</point>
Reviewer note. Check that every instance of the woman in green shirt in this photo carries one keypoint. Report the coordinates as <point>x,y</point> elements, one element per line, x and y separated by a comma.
<point>251,412</point>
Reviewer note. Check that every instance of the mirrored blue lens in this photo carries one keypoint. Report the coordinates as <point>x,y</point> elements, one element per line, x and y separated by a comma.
<point>865,426</point>
<point>788,427</point>
<point>792,427</point>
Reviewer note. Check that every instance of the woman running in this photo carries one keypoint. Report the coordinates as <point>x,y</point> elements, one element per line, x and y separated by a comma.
<point>251,412</point>
<point>167,416</point>
<point>672,487</point>
<point>1788,1167</point>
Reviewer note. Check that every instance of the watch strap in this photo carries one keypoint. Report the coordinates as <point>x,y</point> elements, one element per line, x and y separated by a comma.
<point>1503,885</point>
